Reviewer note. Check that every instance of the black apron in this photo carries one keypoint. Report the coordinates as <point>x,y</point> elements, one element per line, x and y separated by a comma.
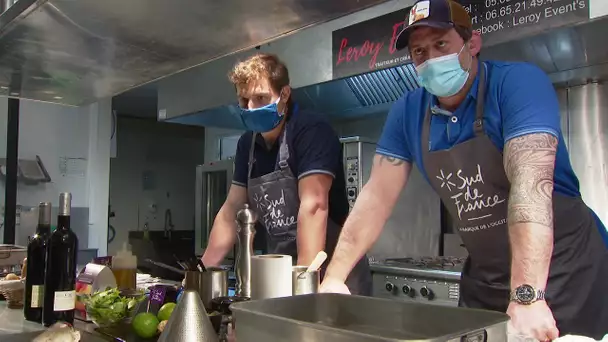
<point>471,181</point>
<point>276,200</point>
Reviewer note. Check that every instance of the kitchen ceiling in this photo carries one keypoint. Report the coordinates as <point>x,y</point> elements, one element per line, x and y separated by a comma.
<point>74,52</point>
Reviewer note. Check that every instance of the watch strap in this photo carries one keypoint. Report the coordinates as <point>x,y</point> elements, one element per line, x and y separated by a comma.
<point>539,296</point>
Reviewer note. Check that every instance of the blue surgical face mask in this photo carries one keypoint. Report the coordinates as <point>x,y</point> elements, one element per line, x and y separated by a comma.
<point>443,76</point>
<point>263,119</point>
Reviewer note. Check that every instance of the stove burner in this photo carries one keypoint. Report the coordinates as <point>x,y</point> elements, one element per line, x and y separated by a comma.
<point>438,263</point>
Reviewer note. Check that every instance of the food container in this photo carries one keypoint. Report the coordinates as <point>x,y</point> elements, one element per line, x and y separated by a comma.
<point>347,318</point>
<point>303,282</point>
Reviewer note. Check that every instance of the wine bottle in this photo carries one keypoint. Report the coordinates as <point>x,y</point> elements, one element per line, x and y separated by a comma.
<point>35,264</point>
<point>60,277</point>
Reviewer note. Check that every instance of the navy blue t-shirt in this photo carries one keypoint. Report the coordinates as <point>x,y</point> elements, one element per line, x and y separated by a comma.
<point>314,147</point>
<point>520,100</point>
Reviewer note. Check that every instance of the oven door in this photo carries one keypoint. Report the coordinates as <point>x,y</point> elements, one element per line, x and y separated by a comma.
<point>213,182</point>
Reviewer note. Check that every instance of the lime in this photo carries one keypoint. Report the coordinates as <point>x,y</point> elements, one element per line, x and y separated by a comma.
<point>145,324</point>
<point>165,311</point>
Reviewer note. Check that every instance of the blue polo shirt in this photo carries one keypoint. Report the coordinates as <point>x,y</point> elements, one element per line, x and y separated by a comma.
<point>314,148</point>
<point>520,99</point>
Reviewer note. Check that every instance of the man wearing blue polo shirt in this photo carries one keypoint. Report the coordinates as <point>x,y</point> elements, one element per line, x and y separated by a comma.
<point>487,137</point>
<point>288,168</point>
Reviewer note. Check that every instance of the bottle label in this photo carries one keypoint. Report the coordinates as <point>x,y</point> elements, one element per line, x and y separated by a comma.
<point>64,300</point>
<point>37,296</point>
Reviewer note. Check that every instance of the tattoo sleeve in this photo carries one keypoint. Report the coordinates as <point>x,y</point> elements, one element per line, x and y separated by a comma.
<point>529,163</point>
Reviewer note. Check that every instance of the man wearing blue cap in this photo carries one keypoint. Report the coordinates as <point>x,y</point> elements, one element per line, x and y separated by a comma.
<point>487,137</point>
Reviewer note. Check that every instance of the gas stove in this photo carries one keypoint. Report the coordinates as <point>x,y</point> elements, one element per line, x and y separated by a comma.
<point>432,280</point>
<point>447,264</point>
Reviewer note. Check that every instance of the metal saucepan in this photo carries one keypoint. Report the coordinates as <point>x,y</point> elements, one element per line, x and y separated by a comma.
<point>210,284</point>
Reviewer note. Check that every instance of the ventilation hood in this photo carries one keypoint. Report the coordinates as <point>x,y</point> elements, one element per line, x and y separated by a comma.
<point>570,55</point>
<point>74,52</point>
<point>349,98</point>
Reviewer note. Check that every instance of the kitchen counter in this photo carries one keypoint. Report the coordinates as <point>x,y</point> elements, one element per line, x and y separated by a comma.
<point>12,321</point>
<point>14,325</point>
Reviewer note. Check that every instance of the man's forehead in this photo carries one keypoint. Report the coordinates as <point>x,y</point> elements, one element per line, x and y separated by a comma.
<point>259,86</point>
<point>425,33</point>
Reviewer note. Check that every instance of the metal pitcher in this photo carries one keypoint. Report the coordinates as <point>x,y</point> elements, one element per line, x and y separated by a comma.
<point>245,221</point>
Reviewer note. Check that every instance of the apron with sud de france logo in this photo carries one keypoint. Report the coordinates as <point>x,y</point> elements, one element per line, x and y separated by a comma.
<point>471,181</point>
<point>276,200</point>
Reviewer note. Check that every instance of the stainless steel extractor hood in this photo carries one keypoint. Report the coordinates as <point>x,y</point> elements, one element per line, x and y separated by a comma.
<point>570,55</point>
<point>348,98</point>
<point>74,52</point>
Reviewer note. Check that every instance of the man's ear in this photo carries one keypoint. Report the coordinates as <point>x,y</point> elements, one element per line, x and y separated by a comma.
<point>285,94</point>
<point>475,43</point>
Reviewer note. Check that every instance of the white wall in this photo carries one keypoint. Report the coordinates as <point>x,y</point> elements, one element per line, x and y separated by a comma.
<point>168,155</point>
<point>53,131</point>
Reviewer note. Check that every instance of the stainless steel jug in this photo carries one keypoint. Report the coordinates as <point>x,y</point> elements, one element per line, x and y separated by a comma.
<point>210,284</point>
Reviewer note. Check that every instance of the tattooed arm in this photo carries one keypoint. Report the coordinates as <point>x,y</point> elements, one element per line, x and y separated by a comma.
<point>529,162</point>
<point>372,209</point>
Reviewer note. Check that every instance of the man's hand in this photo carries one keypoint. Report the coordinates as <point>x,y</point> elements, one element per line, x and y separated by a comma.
<point>332,285</point>
<point>534,320</point>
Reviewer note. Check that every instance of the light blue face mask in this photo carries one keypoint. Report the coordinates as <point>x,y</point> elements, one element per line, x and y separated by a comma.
<point>443,76</point>
<point>263,119</point>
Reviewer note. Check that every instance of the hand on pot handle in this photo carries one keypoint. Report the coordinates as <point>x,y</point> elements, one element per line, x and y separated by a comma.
<point>331,285</point>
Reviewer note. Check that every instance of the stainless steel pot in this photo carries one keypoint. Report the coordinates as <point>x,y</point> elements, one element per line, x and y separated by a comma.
<point>210,284</point>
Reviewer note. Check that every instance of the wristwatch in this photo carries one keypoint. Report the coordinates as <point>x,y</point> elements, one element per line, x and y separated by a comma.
<point>526,294</point>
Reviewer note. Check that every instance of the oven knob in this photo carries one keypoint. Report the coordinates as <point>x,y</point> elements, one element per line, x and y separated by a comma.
<point>390,287</point>
<point>408,291</point>
<point>426,293</point>
<point>351,180</point>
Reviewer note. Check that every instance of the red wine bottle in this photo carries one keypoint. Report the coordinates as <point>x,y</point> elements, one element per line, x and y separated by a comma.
<point>60,277</point>
<point>35,264</point>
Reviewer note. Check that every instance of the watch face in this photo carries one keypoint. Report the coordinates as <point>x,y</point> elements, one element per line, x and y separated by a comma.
<point>525,293</point>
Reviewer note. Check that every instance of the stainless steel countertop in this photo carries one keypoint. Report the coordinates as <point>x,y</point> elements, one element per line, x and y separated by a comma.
<point>414,272</point>
<point>12,322</point>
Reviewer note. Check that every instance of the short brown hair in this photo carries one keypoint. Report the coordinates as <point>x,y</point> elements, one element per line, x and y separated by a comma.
<point>465,33</point>
<point>260,66</point>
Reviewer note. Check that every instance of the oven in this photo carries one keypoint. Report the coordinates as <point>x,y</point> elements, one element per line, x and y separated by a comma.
<point>427,280</point>
<point>358,156</point>
<point>213,181</point>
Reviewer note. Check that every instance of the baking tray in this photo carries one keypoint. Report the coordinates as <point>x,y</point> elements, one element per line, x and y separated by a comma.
<point>337,318</point>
